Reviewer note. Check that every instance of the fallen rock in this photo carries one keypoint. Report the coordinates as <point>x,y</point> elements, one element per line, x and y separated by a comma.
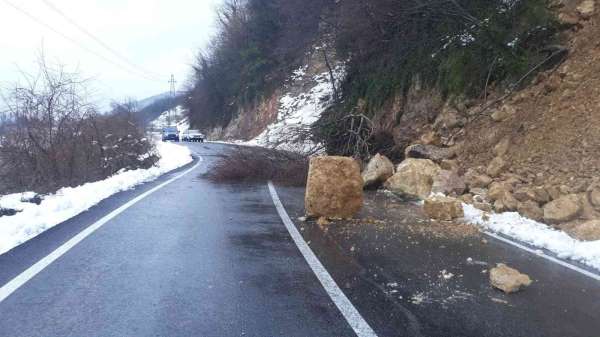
<point>448,119</point>
<point>503,113</point>
<point>448,182</point>
<point>322,221</point>
<point>430,138</point>
<point>466,198</point>
<point>334,188</point>
<point>449,165</point>
<point>563,209</point>
<point>502,147</point>
<point>507,203</point>
<point>537,194</point>
<point>498,191</point>
<point>483,206</point>
<point>508,279</point>
<point>496,166</point>
<point>443,208</point>
<point>479,193</point>
<point>594,197</point>
<point>587,231</point>
<point>586,9</point>
<point>477,180</point>
<point>431,152</point>
<point>378,170</point>
<point>553,191</point>
<point>568,19</point>
<point>531,210</point>
<point>413,177</point>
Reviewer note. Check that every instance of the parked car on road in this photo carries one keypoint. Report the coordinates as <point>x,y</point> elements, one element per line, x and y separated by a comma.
<point>193,136</point>
<point>170,133</point>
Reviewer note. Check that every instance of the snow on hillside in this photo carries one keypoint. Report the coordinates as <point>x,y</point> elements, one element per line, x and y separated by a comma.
<point>297,112</point>
<point>171,118</point>
<point>69,201</point>
<point>536,234</point>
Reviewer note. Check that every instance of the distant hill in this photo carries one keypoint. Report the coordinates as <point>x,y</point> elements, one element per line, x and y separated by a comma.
<point>152,99</point>
<point>151,108</point>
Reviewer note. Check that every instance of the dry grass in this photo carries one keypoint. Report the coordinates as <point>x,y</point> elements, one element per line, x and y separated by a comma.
<point>250,164</point>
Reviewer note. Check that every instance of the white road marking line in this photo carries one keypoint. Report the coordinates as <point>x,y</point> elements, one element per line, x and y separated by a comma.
<point>28,274</point>
<point>350,313</point>
<point>545,256</point>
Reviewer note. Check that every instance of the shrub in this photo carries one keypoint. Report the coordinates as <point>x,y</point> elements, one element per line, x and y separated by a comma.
<point>51,137</point>
<point>250,164</point>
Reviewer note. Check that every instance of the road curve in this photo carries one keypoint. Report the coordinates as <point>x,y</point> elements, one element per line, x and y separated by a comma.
<point>192,259</point>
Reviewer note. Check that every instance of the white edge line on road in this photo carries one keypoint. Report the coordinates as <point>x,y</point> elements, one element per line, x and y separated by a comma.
<point>28,274</point>
<point>350,313</point>
<point>545,256</point>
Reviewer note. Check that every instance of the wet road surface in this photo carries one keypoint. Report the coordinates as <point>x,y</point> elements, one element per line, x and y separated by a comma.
<point>192,259</point>
<point>200,259</point>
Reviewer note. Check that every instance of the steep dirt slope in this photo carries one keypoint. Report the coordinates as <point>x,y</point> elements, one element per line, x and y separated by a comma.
<point>554,131</point>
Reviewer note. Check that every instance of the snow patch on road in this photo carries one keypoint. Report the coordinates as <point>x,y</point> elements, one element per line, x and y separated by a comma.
<point>536,234</point>
<point>69,201</point>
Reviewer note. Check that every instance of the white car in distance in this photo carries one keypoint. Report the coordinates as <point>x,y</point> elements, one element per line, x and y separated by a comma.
<point>193,136</point>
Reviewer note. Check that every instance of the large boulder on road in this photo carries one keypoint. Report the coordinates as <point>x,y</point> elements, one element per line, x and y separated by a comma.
<point>413,177</point>
<point>443,208</point>
<point>334,188</point>
<point>378,170</point>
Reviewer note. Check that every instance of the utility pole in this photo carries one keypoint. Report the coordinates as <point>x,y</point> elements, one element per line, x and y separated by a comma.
<point>172,92</point>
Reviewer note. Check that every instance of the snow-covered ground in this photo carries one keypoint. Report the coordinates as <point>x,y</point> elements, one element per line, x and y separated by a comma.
<point>70,201</point>
<point>536,234</point>
<point>298,112</point>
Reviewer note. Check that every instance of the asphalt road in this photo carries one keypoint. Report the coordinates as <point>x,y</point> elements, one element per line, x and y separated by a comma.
<point>203,259</point>
<point>192,259</point>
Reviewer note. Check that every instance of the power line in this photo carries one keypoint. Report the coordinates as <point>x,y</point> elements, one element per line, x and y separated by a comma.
<point>24,12</point>
<point>98,40</point>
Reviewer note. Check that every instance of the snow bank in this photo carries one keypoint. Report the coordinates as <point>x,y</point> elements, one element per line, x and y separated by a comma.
<point>536,234</point>
<point>70,201</point>
<point>297,112</point>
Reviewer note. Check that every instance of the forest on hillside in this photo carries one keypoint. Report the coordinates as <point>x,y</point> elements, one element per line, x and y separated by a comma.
<point>461,47</point>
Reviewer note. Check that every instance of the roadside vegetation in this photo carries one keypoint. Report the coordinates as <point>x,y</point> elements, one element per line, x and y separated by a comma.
<point>256,164</point>
<point>258,44</point>
<point>464,49</point>
<point>51,136</point>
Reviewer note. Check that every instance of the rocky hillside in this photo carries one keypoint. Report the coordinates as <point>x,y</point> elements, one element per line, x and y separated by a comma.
<point>539,145</point>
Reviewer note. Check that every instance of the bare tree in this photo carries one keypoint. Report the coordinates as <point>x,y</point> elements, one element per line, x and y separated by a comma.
<point>52,136</point>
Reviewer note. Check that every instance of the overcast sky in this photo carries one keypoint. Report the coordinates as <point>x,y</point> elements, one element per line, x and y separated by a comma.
<point>161,37</point>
